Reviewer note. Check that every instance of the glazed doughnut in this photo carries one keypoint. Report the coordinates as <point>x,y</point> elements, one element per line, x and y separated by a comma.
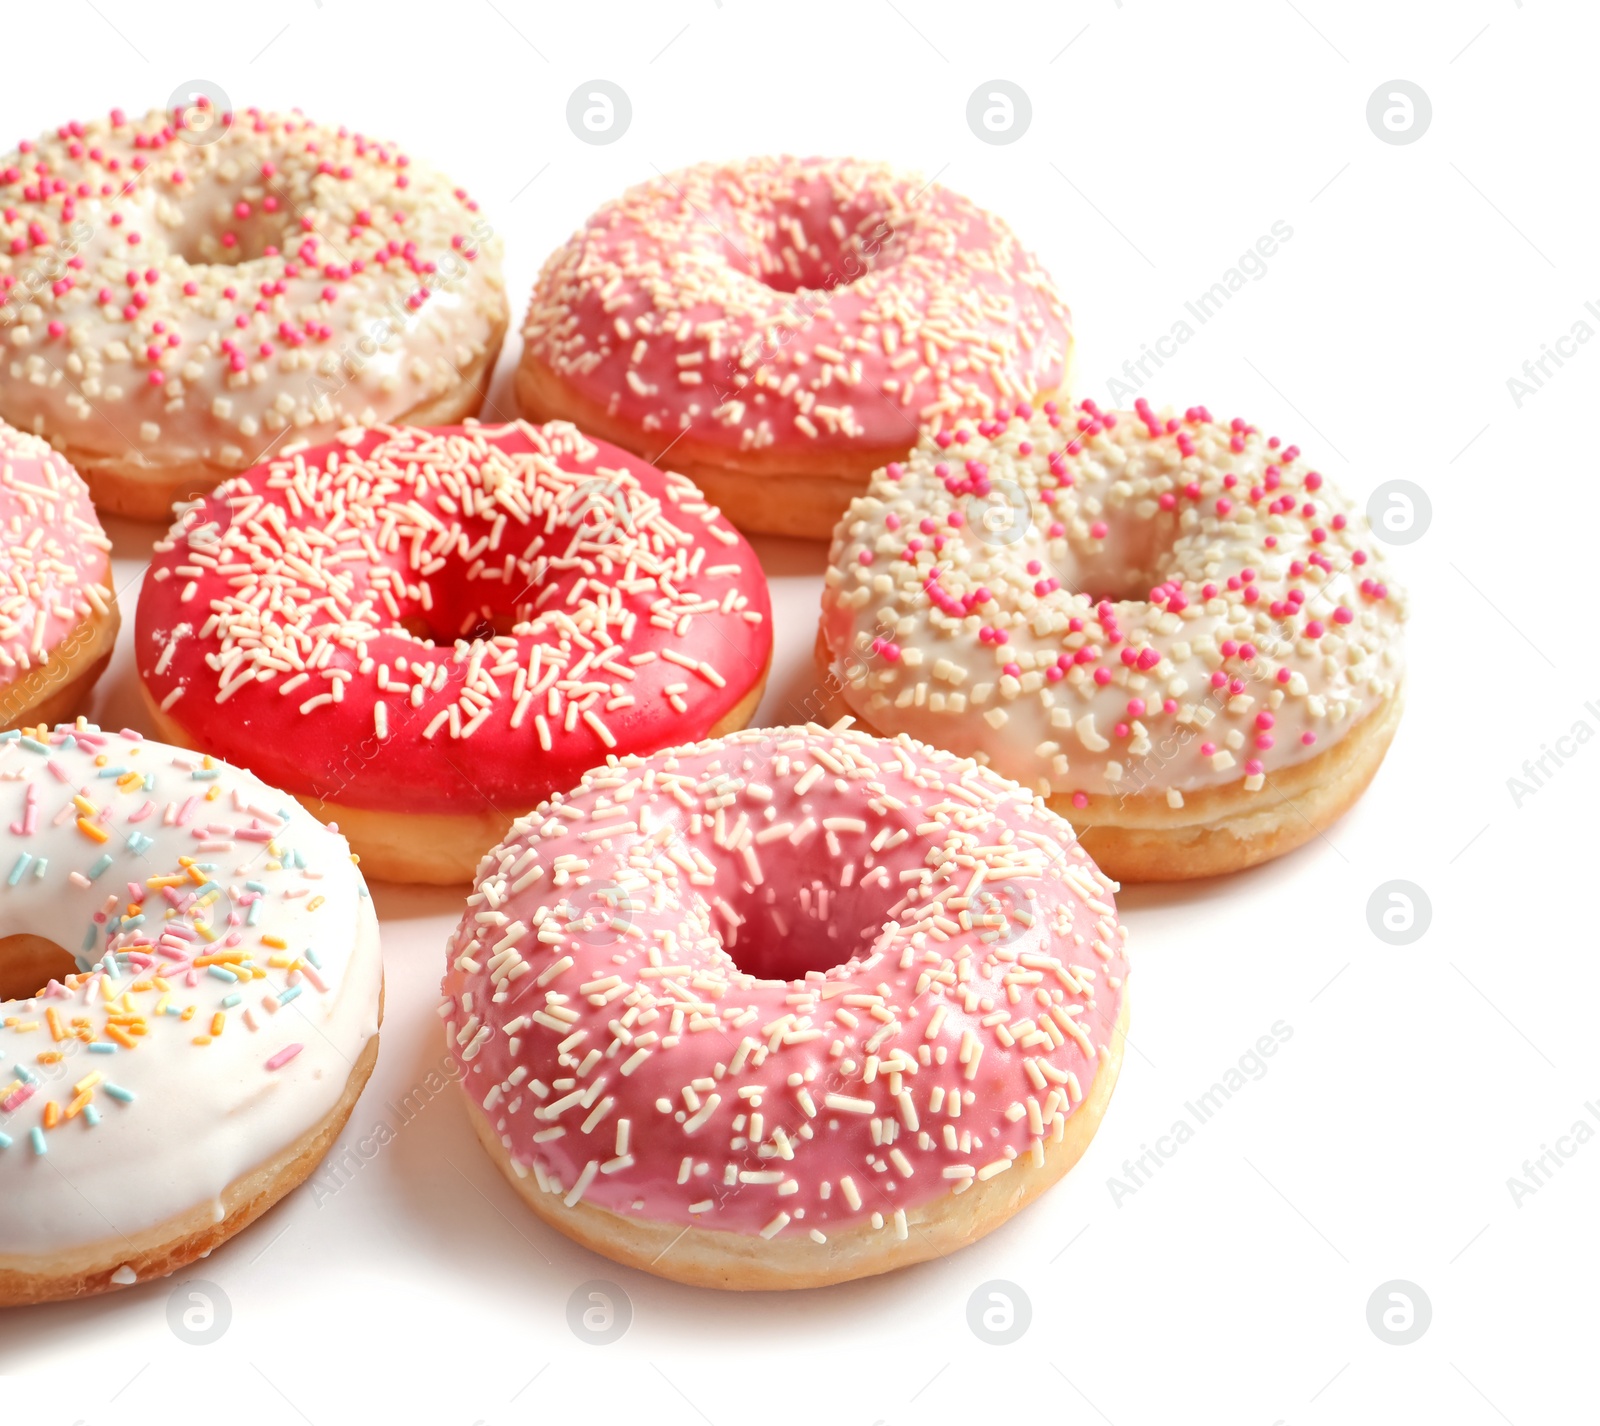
<point>1174,630</point>
<point>58,612</point>
<point>788,1007</point>
<point>423,633</point>
<point>183,293</point>
<point>783,326</point>
<point>211,991</point>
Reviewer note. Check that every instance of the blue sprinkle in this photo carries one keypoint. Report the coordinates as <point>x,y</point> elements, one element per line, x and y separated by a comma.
<point>259,886</point>
<point>33,745</point>
<point>38,868</point>
<point>69,741</point>
<point>102,864</point>
<point>223,973</point>
<point>149,781</point>
<point>110,966</point>
<point>102,1047</point>
<point>112,771</point>
<point>311,956</point>
<point>204,774</point>
<point>206,886</point>
<point>91,1115</point>
<point>5,1141</point>
<point>14,734</point>
<point>290,994</point>
<point>229,1001</point>
<point>23,1073</point>
<point>129,922</point>
<point>173,1010</point>
<point>117,1092</point>
<point>89,938</point>
<point>36,1134</point>
<point>138,842</point>
<point>23,860</point>
<point>253,915</point>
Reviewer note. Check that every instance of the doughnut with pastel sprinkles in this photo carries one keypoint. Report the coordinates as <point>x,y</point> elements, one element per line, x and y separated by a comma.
<point>783,326</point>
<point>423,633</point>
<point>58,612</point>
<point>192,995</point>
<point>787,1007</point>
<point>184,293</point>
<point>1171,627</point>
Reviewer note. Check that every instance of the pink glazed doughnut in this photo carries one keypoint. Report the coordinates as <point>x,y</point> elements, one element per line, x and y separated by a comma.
<point>784,325</point>
<point>58,612</point>
<point>788,1007</point>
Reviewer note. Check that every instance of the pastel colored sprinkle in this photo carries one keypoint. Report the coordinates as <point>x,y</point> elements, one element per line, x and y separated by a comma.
<point>279,1060</point>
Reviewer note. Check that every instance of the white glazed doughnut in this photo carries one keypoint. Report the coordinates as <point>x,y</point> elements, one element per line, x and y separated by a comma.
<point>220,1022</point>
<point>183,294</point>
<point>1172,628</point>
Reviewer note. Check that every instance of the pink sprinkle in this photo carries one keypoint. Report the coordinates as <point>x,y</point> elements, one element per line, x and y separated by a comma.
<point>1080,800</point>
<point>279,1060</point>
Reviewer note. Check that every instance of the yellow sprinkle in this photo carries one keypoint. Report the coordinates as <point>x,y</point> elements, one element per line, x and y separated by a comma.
<point>52,1114</point>
<point>85,806</point>
<point>155,883</point>
<point>197,876</point>
<point>87,1083</point>
<point>276,941</point>
<point>315,902</point>
<point>202,1039</point>
<point>213,792</point>
<point>161,1005</point>
<point>130,779</point>
<point>101,760</point>
<point>106,992</point>
<point>121,1036</point>
<point>58,1031</point>
<point>48,1057</point>
<point>188,1013</point>
<point>217,1022</point>
<point>77,1104</point>
<point>90,830</point>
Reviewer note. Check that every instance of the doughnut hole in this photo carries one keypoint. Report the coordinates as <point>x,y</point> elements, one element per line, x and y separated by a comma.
<point>820,244</point>
<point>471,598</point>
<point>806,930</point>
<point>1131,558</point>
<point>28,963</point>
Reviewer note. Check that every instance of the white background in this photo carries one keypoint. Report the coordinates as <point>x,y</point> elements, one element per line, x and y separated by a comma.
<point>1165,140</point>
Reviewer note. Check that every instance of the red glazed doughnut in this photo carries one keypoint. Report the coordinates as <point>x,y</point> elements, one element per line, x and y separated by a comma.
<point>422,633</point>
<point>787,1007</point>
<point>58,613</point>
<point>783,326</point>
<point>183,293</point>
<point>1172,628</point>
